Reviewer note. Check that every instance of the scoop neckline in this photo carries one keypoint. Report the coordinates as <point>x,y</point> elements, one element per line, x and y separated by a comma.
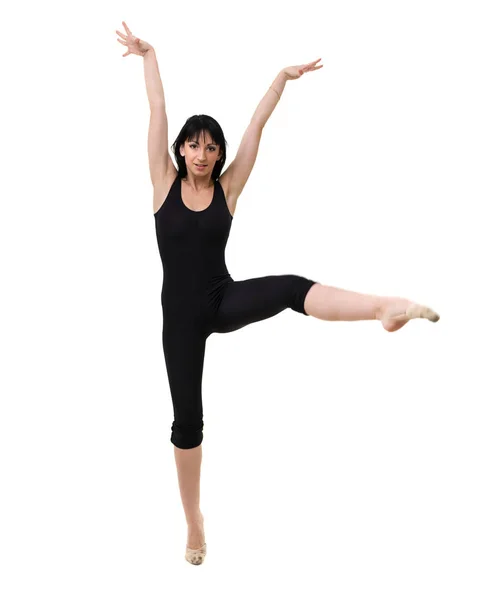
<point>204,209</point>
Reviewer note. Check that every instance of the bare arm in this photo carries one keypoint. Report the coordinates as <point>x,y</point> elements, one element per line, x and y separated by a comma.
<point>237,174</point>
<point>159,158</point>
<point>272,96</point>
<point>270,100</point>
<point>158,155</point>
<point>154,86</point>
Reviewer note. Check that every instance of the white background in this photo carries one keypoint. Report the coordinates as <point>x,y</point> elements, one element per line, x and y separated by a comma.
<point>339,461</point>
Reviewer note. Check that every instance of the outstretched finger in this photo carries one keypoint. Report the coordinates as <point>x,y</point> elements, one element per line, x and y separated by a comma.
<point>121,34</point>
<point>126,28</point>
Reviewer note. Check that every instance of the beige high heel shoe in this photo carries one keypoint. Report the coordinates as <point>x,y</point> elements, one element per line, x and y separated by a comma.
<point>196,557</point>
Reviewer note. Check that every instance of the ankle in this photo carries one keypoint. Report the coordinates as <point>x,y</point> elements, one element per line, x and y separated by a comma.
<point>392,304</point>
<point>381,308</point>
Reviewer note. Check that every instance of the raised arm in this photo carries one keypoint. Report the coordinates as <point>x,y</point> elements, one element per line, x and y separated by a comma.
<point>270,100</point>
<point>237,174</point>
<point>158,156</point>
<point>154,85</point>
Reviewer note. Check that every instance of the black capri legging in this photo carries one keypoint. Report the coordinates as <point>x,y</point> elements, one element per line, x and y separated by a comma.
<point>225,306</point>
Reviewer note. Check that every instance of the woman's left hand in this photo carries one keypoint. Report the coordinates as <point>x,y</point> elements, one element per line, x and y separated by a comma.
<point>296,72</point>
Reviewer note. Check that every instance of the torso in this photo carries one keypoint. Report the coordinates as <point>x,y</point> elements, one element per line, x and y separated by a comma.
<point>196,202</point>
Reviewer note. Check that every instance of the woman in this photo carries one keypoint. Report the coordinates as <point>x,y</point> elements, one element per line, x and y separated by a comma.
<point>193,209</point>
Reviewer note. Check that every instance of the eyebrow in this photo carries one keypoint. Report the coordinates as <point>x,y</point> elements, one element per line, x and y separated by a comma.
<point>197,142</point>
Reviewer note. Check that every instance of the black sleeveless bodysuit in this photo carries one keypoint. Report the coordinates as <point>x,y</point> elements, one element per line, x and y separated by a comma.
<point>199,297</point>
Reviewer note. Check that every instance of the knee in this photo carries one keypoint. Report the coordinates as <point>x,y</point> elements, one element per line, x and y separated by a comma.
<point>186,436</point>
<point>300,287</point>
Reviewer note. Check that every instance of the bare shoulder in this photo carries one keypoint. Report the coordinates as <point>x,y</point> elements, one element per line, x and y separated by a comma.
<point>162,187</point>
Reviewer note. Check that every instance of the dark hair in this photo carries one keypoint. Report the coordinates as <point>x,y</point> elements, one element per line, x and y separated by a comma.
<point>193,127</point>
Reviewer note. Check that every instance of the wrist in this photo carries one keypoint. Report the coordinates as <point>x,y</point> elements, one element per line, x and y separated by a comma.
<point>145,48</point>
<point>279,83</point>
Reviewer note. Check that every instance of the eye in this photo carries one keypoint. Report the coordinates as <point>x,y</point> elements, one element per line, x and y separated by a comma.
<point>212,148</point>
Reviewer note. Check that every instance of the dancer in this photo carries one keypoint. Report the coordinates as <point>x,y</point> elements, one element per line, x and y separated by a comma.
<point>193,210</point>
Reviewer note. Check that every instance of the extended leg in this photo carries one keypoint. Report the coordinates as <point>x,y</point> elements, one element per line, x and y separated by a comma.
<point>252,300</point>
<point>336,304</point>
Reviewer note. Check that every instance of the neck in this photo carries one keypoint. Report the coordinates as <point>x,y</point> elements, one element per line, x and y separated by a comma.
<point>198,183</point>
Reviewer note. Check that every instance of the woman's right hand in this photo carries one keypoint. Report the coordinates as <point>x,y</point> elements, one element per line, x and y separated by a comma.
<point>134,44</point>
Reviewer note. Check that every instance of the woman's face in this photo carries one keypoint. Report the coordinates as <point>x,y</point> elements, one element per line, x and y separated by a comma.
<point>201,151</point>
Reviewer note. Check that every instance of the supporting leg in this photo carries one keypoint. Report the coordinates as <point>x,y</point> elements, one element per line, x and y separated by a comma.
<point>188,464</point>
<point>184,348</point>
